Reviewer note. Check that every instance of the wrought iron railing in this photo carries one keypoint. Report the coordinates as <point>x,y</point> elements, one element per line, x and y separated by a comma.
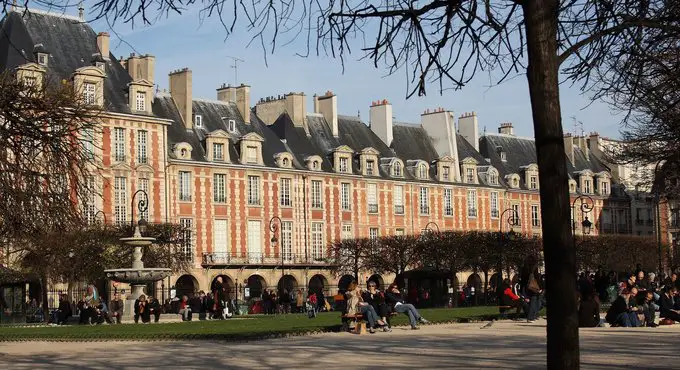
<point>250,258</point>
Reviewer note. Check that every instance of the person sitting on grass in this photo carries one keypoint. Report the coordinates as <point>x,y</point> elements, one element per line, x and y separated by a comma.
<point>395,300</point>
<point>667,308</point>
<point>356,305</point>
<point>620,313</point>
<point>511,299</point>
<point>649,309</point>
<point>589,308</point>
<point>376,299</point>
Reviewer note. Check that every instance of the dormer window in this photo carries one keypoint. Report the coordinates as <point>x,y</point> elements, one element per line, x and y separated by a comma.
<point>218,152</point>
<point>251,154</point>
<point>285,162</point>
<point>503,157</point>
<point>493,178</point>
<point>284,159</point>
<point>422,171</point>
<point>533,182</point>
<point>370,167</point>
<point>198,120</point>
<point>90,93</point>
<point>397,169</point>
<point>512,180</point>
<point>315,165</point>
<point>446,173</point>
<point>572,186</point>
<point>141,101</point>
<point>342,167</point>
<point>231,125</point>
<point>181,150</point>
<point>470,175</point>
<point>101,65</point>
<point>43,59</point>
<point>313,162</point>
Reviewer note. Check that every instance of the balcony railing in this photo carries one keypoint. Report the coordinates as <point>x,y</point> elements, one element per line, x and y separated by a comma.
<point>399,210</point>
<point>494,213</point>
<point>119,157</point>
<point>448,211</point>
<point>258,258</point>
<point>142,160</point>
<point>472,212</point>
<point>372,208</point>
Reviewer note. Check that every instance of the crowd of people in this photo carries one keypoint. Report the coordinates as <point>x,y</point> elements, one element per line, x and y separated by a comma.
<point>634,298</point>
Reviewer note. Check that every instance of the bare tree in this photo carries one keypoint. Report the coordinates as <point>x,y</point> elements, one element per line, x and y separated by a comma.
<point>350,256</point>
<point>395,254</point>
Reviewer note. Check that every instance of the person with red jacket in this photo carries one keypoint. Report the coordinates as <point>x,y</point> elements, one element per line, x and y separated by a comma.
<point>509,298</point>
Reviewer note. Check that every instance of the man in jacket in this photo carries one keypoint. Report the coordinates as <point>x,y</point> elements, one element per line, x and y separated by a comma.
<point>64,311</point>
<point>667,305</point>
<point>154,309</point>
<point>117,308</point>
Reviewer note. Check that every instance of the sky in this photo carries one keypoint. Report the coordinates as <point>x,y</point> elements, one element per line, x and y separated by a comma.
<point>183,40</point>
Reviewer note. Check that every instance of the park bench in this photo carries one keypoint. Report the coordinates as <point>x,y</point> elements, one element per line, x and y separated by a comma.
<point>503,310</point>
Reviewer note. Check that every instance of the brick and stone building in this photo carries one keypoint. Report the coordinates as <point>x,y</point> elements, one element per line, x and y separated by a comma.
<point>224,168</point>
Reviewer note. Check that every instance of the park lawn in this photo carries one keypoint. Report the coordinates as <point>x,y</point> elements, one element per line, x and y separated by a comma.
<point>242,328</point>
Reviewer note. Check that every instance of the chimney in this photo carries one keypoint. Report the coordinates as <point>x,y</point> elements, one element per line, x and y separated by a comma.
<point>594,144</point>
<point>468,126</point>
<point>239,95</point>
<point>141,67</point>
<point>315,98</point>
<point>103,40</point>
<point>380,114</point>
<point>569,147</point>
<point>81,12</point>
<point>180,91</point>
<point>506,128</point>
<point>328,107</point>
<point>583,145</point>
<point>295,106</point>
<point>440,126</point>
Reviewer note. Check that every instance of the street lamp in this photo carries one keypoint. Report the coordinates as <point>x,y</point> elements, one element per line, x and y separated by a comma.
<point>586,208</point>
<point>273,228</point>
<point>142,206</point>
<point>512,220</point>
<point>432,223</point>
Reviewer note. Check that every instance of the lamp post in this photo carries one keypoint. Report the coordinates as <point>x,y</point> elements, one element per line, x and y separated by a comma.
<point>142,206</point>
<point>432,223</point>
<point>100,212</point>
<point>273,227</point>
<point>586,207</point>
<point>512,220</point>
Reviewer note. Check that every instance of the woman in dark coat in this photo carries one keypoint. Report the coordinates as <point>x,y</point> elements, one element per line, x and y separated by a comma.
<point>530,281</point>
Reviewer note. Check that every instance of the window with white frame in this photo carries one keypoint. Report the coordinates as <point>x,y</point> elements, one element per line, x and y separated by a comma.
<point>198,120</point>
<point>317,194</point>
<point>448,202</point>
<point>533,182</point>
<point>372,198</point>
<point>424,201</point>
<point>346,232</point>
<point>493,197</point>
<point>370,167</point>
<point>120,200</point>
<point>90,93</point>
<point>231,125</point>
<point>373,233</point>
<point>254,241</point>
<point>141,101</point>
<point>284,192</point>
<point>605,187</point>
<point>184,179</point>
<point>470,175</point>
<point>141,147</point>
<point>587,186</point>
<point>493,178</point>
<point>251,154</point>
<point>317,240</point>
<point>343,165</point>
<point>89,208</point>
<point>253,190</point>
<point>517,214</point>
<point>118,144</point>
<point>399,232</point>
<point>219,188</point>
<point>472,203</point>
<point>422,171</point>
<point>345,196</point>
<point>220,241</point>
<point>397,169</point>
<point>446,173</point>
<point>535,216</point>
<point>287,240</point>
<point>218,152</point>
<point>88,143</point>
<point>398,195</point>
<point>143,184</point>
<point>187,237</point>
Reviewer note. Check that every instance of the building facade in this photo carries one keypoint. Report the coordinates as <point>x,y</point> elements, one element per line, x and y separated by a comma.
<point>265,189</point>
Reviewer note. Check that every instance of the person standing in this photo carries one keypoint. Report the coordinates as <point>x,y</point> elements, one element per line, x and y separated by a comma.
<point>220,297</point>
<point>530,282</point>
<point>117,308</point>
<point>299,301</point>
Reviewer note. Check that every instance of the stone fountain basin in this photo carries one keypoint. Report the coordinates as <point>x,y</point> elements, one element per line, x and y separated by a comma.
<point>138,276</point>
<point>137,241</point>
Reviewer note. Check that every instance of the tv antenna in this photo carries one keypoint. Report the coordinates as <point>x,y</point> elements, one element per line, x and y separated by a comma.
<point>235,67</point>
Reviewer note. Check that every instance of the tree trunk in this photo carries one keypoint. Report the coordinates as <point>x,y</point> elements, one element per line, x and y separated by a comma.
<point>486,287</point>
<point>542,75</point>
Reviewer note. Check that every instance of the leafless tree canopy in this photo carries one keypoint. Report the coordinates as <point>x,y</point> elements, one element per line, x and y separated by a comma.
<point>45,171</point>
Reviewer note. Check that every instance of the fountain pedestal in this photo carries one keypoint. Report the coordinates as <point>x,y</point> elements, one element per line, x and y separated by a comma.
<point>138,276</point>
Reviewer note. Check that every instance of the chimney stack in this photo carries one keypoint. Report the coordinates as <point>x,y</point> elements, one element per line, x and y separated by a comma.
<point>506,129</point>
<point>569,147</point>
<point>180,91</point>
<point>440,126</point>
<point>141,67</point>
<point>328,107</point>
<point>468,126</point>
<point>583,145</point>
<point>380,114</point>
<point>239,95</point>
<point>103,42</point>
<point>315,98</point>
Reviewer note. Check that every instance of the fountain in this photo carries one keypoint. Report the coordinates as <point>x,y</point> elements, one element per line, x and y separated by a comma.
<point>138,276</point>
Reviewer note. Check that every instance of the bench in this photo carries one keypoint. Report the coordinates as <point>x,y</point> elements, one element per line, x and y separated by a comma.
<point>503,311</point>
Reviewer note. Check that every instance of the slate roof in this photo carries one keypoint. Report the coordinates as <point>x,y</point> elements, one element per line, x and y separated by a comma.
<point>521,151</point>
<point>71,44</point>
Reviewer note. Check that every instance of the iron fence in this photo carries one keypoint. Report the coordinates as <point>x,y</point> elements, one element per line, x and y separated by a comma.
<point>257,258</point>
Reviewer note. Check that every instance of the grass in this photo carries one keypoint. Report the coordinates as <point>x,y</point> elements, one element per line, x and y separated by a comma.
<point>246,328</point>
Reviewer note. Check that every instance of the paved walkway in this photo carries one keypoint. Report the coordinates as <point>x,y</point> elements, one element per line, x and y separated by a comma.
<point>508,345</point>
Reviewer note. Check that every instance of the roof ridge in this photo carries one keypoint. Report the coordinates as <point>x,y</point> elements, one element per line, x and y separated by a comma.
<point>509,136</point>
<point>22,10</point>
<point>212,101</point>
<point>406,124</point>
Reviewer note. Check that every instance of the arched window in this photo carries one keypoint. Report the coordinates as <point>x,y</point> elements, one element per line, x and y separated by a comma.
<point>397,170</point>
<point>285,162</point>
<point>422,171</point>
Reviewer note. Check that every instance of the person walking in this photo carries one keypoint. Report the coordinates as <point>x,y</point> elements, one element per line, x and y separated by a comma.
<point>531,286</point>
<point>395,299</point>
<point>299,301</point>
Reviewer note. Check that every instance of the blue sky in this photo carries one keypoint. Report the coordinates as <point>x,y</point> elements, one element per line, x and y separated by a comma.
<point>182,41</point>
